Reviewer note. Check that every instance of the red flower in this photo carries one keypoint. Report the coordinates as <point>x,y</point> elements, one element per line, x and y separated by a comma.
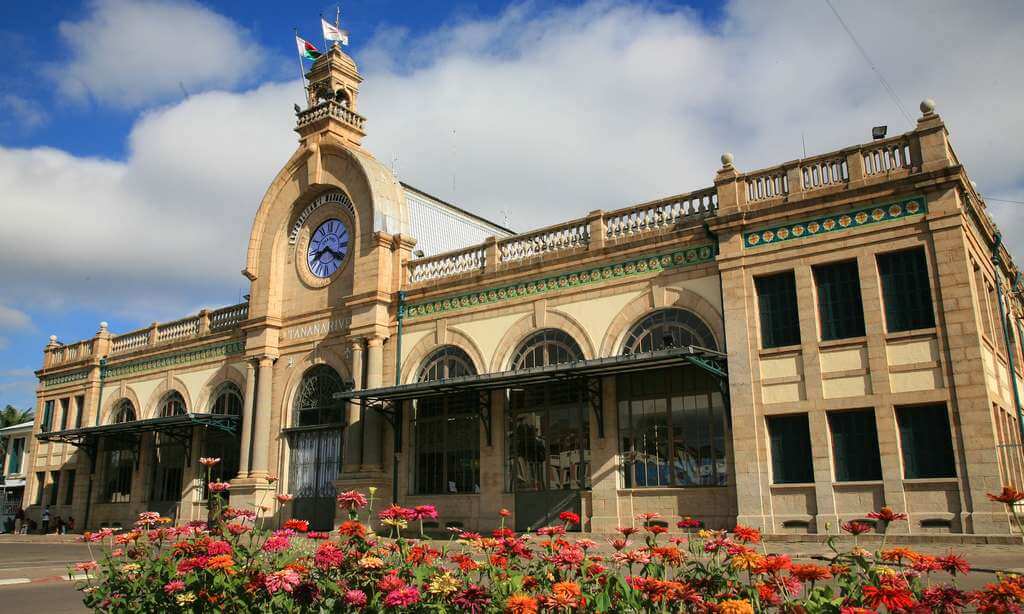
<point>810,573</point>
<point>218,547</point>
<point>627,531</point>
<point>1009,496</point>
<point>657,529</point>
<point>855,527</point>
<point>352,500</point>
<point>295,524</point>
<point>355,598</point>
<point>688,523</point>
<point>328,556</point>
<point>747,534</point>
<point>569,517</point>
<point>953,564</point>
<point>774,563</point>
<point>887,515</point>
<point>397,512</point>
<point>352,528</point>
<point>945,599</point>
<point>504,513</point>
<point>473,599</point>
<point>425,511</point>
<point>892,592</point>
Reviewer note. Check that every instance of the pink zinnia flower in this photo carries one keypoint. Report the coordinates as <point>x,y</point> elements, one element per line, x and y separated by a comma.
<point>174,586</point>
<point>328,556</point>
<point>218,547</point>
<point>355,598</point>
<point>208,462</point>
<point>402,597</point>
<point>285,580</point>
<point>352,500</point>
<point>217,487</point>
<point>284,498</point>
<point>86,566</point>
<point>277,543</point>
<point>425,511</point>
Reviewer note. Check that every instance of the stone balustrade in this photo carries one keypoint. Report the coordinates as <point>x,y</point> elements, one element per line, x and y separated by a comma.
<point>633,221</point>
<point>191,327</point>
<point>330,108</point>
<point>448,264</point>
<point>569,235</point>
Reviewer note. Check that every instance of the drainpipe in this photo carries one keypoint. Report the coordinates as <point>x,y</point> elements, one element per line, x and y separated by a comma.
<point>721,291</point>
<point>398,425</point>
<point>996,261</point>
<point>99,398</point>
<point>96,451</point>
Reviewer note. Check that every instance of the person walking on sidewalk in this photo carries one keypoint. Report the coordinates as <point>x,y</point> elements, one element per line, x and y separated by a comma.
<point>46,520</point>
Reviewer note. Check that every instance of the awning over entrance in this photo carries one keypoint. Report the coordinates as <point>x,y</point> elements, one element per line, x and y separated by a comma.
<point>387,400</point>
<point>178,428</point>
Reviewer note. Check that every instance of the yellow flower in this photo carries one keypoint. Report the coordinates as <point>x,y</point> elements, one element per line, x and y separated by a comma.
<point>399,523</point>
<point>185,598</point>
<point>746,560</point>
<point>735,606</point>
<point>704,534</point>
<point>130,570</point>
<point>443,584</point>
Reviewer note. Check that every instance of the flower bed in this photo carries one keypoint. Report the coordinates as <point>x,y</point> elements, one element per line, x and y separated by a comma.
<point>234,564</point>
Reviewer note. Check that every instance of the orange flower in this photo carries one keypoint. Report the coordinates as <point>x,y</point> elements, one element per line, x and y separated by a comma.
<point>567,594</point>
<point>521,604</point>
<point>221,561</point>
<point>887,515</point>
<point>747,559</point>
<point>898,554</point>
<point>747,534</point>
<point>1009,496</point>
<point>810,572</point>
<point>735,606</point>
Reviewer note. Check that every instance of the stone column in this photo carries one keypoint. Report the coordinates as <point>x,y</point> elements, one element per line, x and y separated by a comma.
<point>247,412</point>
<point>261,428</point>
<point>354,431</point>
<point>373,430</point>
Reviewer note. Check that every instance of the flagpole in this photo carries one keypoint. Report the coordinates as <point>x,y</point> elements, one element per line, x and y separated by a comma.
<point>302,69</point>
<point>337,21</point>
<point>322,31</point>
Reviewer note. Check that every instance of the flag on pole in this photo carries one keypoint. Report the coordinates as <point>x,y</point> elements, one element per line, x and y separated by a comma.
<point>333,33</point>
<point>306,49</point>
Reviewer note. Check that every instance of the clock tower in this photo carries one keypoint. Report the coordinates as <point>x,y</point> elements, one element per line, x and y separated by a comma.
<point>331,94</point>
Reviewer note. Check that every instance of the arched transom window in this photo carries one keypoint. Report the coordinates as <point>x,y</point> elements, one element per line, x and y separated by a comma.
<point>668,328</point>
<point>546,347</point>
<point>173,404</point>
<point>314,403</point>
<point>228,401</point>
<point>446,362</point>
<point>124,411</point>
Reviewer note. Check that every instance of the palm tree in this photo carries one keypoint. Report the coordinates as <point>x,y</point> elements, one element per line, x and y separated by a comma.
<point>11,415</point>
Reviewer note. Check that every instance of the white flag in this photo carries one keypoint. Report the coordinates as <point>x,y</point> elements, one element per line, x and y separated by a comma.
<point>332,33</point>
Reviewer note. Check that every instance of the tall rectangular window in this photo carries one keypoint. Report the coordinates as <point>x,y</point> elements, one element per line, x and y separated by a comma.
<point>64,410</point>
<point>47,421</point>
<point>69,487</point>
<point>118,469</point>
<point>776,303</point>
<point>839,303</point>
<point>447,445</point>
<point>926,441</point>
<point>905,290</point>
<point>791,449</point>
<point>79,410</point>
<point>40,486</point>
<point>855,445</point>
<point>54,486</point>
<point>17,451</point>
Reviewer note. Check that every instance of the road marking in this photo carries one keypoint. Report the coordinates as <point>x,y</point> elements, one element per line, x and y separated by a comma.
<point>76,577</point>
<point>14,581</point>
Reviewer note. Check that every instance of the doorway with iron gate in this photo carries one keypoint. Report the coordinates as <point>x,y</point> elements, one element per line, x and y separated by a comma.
<point>315,443</point>
<point>548,463</point>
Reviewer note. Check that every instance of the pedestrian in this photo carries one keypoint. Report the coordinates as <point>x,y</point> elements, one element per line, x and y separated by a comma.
<point>71,524</point>
<point>46,520</point>
<point>58,525</point>
<point>19,519</point>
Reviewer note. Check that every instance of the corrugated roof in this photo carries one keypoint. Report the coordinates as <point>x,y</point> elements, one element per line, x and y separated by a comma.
<point>439,226</point>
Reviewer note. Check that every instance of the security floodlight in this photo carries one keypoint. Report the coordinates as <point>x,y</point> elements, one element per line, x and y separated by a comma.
<point>418,253</point>
<point>878,132</point>
<point>297,108</point>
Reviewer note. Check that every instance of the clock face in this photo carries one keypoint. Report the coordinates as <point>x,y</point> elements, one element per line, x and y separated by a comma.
<point>327,248</point>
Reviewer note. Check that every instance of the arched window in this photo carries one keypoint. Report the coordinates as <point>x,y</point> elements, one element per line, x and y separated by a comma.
<point>173,404</point>
<point>446,433</point>
<point>546,347</point>
<point>314,403</point>
<point>668,328</point>
<point>124,411</point>
<point>227,401</point>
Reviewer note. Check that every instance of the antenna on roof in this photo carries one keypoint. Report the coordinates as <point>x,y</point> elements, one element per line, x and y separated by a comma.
<point>504,215</point>
<point>394,165</point>
<point>453,162</point>
<point>803,142</point>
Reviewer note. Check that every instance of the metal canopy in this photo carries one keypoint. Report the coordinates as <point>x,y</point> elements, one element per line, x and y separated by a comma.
<point>388,399</point>
<point>178,428</point>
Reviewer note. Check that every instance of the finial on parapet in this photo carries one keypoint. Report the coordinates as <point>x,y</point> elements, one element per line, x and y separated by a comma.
<point>927,107</point>
<point>727,159</point>
<point>53,341</point>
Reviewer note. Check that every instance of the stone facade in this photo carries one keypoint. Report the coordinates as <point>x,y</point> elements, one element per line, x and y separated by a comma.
<point>594,279</point>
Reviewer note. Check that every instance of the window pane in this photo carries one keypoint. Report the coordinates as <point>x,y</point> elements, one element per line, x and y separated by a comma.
<point>926,441</point>
<point>855,446</point>
<point>776,300</point>
<point>69,488</point>
<point>839,301</point>
<point>905,290</point>
<point>791,449</point>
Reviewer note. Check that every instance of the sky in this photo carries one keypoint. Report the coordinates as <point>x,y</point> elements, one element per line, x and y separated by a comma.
<point>137,137</point>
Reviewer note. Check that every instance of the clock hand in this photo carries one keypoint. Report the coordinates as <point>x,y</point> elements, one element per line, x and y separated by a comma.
<point>337,255</point>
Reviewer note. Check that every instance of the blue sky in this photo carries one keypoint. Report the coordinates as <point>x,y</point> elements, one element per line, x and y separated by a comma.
<point>136,138</point>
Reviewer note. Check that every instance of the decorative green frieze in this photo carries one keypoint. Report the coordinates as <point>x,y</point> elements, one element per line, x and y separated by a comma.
<point>642,265</point>
<point>176,359</point>
<point>64,378</point>
<point>876,214</point>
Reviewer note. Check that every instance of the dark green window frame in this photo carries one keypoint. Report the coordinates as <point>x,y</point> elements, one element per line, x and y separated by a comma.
<point>840,308</point>
<point>790,437</point>
<point>69,487</point>
<point>906,290</point>
<point>926,442</point>
<point>47,417</point>
<point>778,310</point>
<point>855,445</point>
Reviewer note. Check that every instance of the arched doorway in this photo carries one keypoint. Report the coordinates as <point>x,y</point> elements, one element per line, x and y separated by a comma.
<point>549,434</point>
<point>315,441</point>
<point>227,401</point>
<point>167,461</point>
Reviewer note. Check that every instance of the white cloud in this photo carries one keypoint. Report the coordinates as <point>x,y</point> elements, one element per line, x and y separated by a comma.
<point>555,112</point>
<point>11,318</point>
<point>128,52</point>
<point>20,114</point>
